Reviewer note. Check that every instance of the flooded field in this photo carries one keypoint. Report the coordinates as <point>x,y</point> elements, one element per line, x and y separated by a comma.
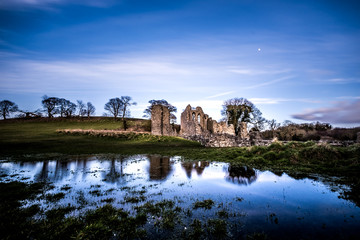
<point>211,199</point>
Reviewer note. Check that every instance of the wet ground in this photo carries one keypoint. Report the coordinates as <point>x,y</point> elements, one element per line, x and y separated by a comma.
<point>249,201</point>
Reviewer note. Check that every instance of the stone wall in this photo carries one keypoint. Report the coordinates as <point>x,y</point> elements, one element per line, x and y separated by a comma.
<point>160,121</point>
<point>195,122</point>
<point>226,140</point>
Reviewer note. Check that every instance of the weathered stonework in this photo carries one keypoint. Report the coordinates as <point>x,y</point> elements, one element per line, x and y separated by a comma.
<point>160,121</point>
<point>198,126</point>
<point>195,122</point>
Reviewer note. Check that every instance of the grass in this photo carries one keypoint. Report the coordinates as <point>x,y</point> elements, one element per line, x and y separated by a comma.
<point>151,220</point>
<point>206,204</point>
<point>37,139</point>
<point>23,137</point>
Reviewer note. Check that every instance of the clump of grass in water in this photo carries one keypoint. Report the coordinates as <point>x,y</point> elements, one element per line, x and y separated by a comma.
<point>65,187</point>
<point>196,230</point>
<point>207,204</point>
<point>163,214</point>
<point>108,200</point>
<point>134,199</point>
<point>217,228</point>
<point>55,197</point>
<point>223,213</point>
<point>96,193</point>
<point>256,236</point>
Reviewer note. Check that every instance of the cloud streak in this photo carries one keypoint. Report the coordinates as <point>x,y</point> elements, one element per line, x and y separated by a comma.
<point>268,82</point>
<point>48,4</point>
<point>220,94</point>
<point>282,100</point>
<point>342,112</point>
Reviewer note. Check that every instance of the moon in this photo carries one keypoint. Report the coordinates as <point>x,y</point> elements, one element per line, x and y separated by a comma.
<point>259,49</point>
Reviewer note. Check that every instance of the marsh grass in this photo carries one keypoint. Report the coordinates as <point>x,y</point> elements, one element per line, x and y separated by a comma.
<point>207,204</point>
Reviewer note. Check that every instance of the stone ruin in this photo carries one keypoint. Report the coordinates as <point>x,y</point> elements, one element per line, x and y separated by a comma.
<point>195,122</point>
<point>160,122</point>
<point>198,126</point>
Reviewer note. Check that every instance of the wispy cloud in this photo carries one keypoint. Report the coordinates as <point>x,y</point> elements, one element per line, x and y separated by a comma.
<point>349,97</point>
<point>282,100</point>
<point>342,80</point>
<point>126,72</point>
<point>220,94</point>
<point>253,72</point>
<point>48,4</point>
<point>268,82</point>
<point>342,112</point>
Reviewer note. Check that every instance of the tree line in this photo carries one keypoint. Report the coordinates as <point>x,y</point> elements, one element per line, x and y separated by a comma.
<point>61,107</point>
<point>234,111</point>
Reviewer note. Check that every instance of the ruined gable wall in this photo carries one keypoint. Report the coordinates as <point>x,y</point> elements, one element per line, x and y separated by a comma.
<point>157,120</point>
<point>194,122</point>
<point>160,121</point>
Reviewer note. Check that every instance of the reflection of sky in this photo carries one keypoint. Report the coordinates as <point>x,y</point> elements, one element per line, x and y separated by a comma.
<point>290,199</point>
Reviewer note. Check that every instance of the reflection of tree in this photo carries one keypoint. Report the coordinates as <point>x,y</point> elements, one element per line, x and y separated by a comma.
<point>160,167</point>
<point>241,174</point>
<point>61,170</point>
<point>113,175</point>
<point>198,166</point>
<point>43,174</point>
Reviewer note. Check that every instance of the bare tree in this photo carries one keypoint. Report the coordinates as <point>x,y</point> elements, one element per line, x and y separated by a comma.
<point>66,108</point>
<point>49,105</point>
<point>90,109</point>
<point>81,108</point>
<point>237,110</point>
<point>7,107</point>
<point>172,109</point>
<point>126,103</point>
<point>114,106</point>
<point>70,109</point>
<point>273,125</point>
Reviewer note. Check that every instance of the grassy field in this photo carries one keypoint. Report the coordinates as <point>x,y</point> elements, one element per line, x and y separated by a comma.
<point>24,139</point>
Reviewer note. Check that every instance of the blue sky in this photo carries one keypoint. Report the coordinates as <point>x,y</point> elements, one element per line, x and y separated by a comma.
<point>295,60</point>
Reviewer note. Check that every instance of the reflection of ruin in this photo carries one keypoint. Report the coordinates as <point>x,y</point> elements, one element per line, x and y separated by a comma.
<point>241,174</point>
<point>160,167</point>
<point>198,166</point>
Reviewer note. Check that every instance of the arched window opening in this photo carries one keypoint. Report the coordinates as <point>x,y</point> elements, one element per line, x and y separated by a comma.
<point>198,118</point>
<point>193,116</point>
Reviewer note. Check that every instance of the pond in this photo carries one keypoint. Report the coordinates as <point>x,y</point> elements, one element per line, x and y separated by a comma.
<point>249,201</point>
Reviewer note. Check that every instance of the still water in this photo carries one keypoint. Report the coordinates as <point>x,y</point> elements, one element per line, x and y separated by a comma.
<point>253,200</point>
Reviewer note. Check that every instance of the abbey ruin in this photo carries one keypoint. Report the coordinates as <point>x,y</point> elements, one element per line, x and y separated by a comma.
<point>198,126</point>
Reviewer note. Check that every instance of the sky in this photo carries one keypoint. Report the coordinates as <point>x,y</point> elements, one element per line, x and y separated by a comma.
<point>295,60</point>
